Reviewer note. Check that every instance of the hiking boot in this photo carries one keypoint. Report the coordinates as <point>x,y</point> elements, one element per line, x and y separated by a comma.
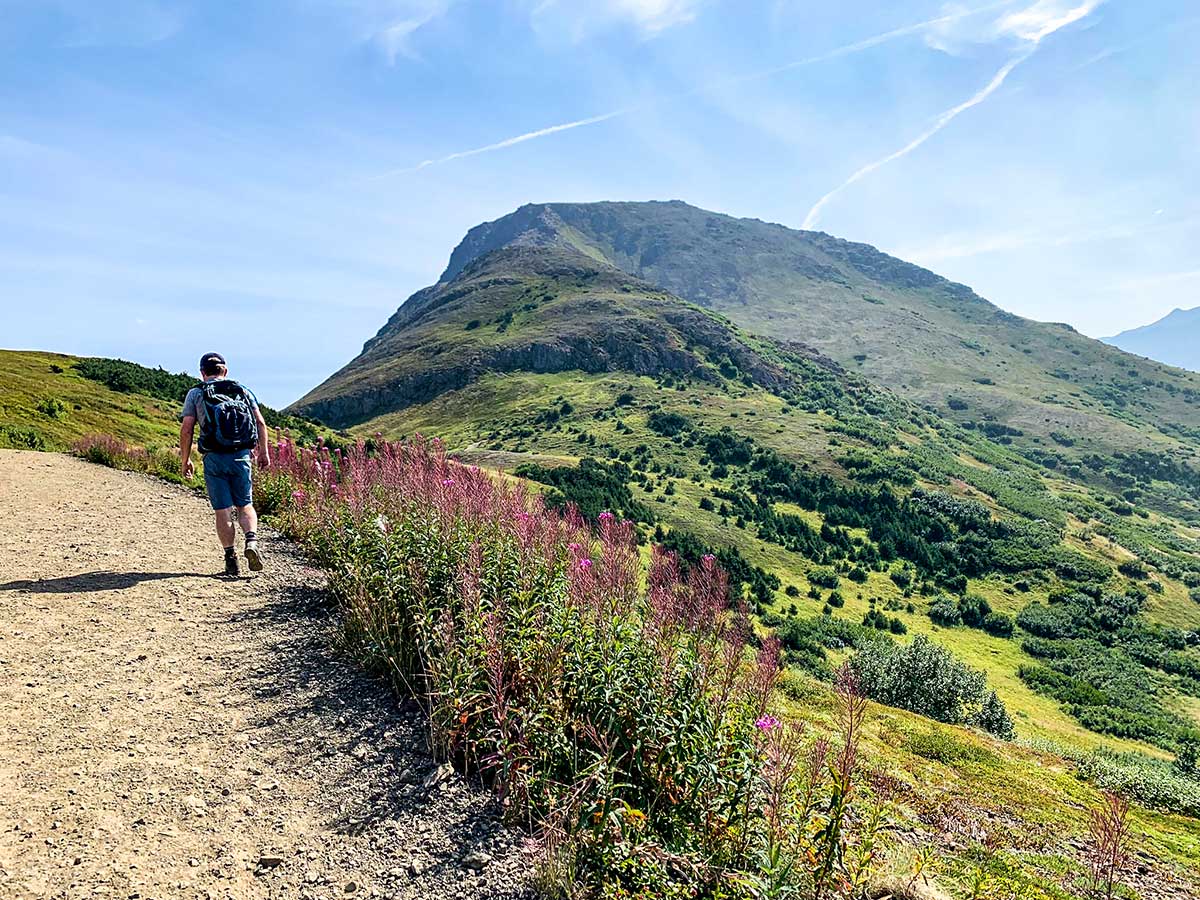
<point>231,566</point>
<point>253,557</point>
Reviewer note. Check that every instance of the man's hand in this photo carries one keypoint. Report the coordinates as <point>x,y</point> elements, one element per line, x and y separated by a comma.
<point>186,429</point>
<point>264,456</point>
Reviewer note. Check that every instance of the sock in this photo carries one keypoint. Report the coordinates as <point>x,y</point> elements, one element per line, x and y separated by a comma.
<point>229,551</point>
<point>251,536</point>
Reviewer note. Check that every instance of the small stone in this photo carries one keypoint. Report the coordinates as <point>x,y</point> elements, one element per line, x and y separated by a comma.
<point>438,775</point>
<point>477,860</point>
<point>415,866</point>
<point>351,887</point>
<point>270,860</point>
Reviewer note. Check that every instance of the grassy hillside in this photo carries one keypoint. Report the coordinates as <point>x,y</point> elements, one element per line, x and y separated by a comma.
<point>50,400</point>
<point>1108,416</point>
<point>835,501</point>
<point>47,404</point>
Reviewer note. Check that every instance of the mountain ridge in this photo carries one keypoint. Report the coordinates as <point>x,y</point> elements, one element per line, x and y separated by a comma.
<point>930,339</point>
<point>1172,340</point>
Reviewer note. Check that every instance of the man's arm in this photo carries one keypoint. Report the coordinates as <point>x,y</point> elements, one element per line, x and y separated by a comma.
<point>264,443</point>
<point>187,429</point>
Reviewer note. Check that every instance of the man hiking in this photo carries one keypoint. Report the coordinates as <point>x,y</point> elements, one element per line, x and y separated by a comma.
<point>231,427</point>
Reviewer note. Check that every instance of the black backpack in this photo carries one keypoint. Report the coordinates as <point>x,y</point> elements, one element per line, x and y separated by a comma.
<point>229,423</point>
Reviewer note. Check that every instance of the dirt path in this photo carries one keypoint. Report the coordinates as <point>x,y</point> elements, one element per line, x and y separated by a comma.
<point>165,733</point>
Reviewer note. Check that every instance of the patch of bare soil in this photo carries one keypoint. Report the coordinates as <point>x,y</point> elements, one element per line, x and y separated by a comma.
<point>168,733</point>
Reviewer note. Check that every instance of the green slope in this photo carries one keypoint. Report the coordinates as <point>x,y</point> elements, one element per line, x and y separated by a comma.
<point>46,403</point>
<point>1044,387</point>
<point>539,353</point>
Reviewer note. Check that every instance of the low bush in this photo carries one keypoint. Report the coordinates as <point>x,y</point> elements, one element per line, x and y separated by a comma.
<point>944,611</point>
<point>998,624</point>
<point>52,408</point>
<point>928,679</point>
<point>14,438</point>
<point>823,576</point>
<point>1154,783</point>
<point>116,454</point>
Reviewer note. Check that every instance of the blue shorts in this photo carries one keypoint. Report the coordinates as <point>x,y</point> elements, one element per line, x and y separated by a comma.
<point>227,477</point>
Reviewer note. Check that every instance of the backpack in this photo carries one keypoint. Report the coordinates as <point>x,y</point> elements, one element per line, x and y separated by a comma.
<point>229,423</point>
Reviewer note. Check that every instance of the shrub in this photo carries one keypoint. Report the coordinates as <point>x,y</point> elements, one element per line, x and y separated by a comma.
<point>14,438</point>
<point>944,611</point>
<point>973,609</point>
<point>998,624</point>
<point>1134,568</point>
<point>993,717</point>
<point>928,679</point>
<point>667,424</point>
<point>823,576</point>
<point>51,408</point>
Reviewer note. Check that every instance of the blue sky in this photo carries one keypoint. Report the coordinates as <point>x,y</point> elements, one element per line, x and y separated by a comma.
<point>272,179</point>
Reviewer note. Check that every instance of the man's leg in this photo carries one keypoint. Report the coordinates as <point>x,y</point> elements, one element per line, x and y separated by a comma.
<point>242,489</point>
<point>226,534</point>
<point>249,519</point>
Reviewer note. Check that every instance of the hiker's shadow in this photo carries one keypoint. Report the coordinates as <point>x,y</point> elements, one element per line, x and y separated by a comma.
<point>87,582</point>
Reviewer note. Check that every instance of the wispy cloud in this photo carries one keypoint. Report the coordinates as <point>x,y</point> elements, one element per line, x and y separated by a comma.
<point>390,24</point>
<point>576,20</point>
<point>1030,26</point>
<point>844,50</point>
<point>117,23</point>
<point>1060,234</point>
<point>1030,23</point>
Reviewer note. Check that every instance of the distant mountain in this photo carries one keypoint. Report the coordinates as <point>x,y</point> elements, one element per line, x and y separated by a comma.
<point>1173,339</point>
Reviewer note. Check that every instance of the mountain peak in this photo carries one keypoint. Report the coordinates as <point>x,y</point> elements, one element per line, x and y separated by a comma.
<point>1173,339</point>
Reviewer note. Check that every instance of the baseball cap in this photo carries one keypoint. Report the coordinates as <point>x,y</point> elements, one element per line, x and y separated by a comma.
<point>211,361</point>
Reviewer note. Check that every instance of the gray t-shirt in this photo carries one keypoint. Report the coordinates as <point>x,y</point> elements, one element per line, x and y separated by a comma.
<point>193,404</point>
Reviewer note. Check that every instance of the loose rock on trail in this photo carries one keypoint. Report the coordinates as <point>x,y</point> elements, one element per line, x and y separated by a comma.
<point>168,733</point>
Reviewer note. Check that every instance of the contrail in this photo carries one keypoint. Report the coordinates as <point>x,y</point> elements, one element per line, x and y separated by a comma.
<point>509,142</point>
<point>1032,24</point>
<point>845,50</point>
<point>941,122</point>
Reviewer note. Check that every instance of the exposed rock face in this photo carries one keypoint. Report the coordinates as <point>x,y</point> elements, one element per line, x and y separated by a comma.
<point>576,314</point>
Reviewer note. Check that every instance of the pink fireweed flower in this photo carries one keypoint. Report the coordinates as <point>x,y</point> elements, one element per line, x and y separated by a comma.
<point>766,723</point>
<point>585,563</point>
<point>446,482</point>
<point>709,559</point>
<point>574,547</point>
<point>299,496</point>
<point>606,517</point>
